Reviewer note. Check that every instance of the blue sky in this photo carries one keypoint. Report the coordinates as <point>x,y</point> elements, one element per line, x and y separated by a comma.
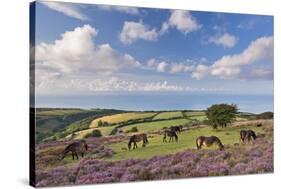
<point>86,49</point>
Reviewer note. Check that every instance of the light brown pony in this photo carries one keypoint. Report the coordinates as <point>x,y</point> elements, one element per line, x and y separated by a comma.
<point>137,138</point>
<point>75,148</point>
<point>208,141</point>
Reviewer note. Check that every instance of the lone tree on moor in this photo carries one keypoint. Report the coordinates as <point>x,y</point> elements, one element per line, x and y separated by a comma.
<point>221,114</point>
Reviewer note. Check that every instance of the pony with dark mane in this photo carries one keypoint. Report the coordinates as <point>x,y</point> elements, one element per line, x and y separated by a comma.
<point>177,129</point>
<point>172,134</point>
<point>249,135</point>
<point>137,138</point>
<point>75,148</point>
<point>208,141</point>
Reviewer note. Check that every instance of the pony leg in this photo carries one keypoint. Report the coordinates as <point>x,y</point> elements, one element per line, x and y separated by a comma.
<point>72,155</point>
<point>76,155</point>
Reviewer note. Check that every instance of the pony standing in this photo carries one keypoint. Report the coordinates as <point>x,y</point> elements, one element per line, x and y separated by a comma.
<point>172,134</point>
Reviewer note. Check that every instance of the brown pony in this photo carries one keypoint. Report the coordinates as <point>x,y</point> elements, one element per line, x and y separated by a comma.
<point>137,138</point>
<point>208,141</point>
<point>75,148</point>
<point>249,135</point>
<point>172,134</point>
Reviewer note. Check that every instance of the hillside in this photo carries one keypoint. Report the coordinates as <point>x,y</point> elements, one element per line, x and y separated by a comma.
<point>55,123</point>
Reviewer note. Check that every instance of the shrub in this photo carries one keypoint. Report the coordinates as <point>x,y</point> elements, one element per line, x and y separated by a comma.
<point>94,133</point>
<point>221,114</point>
<point>132,130</point>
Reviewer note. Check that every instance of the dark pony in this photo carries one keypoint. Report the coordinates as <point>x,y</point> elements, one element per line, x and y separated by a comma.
<point>75,148</point>
<point>176,129</point>
<point>259,124</point>
<point>172,134</point>
<point>137,138</point>
<point>249,135</point>
<point>208,141</point>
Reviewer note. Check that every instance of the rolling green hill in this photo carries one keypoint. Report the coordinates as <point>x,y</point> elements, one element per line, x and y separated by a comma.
<point>56,123</point>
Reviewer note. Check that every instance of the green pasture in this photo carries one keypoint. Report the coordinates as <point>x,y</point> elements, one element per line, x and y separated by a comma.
<point>186,141</point>
<point>156,125</point>
<point>189,114</point>
<point>168,115</point>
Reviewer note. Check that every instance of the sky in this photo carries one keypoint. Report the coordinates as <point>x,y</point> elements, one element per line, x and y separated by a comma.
<point>84,49</point>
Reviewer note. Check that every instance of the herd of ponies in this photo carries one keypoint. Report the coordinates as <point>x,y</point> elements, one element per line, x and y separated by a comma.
<point>80,147</point>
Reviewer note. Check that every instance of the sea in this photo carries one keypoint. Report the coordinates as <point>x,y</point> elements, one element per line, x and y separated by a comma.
<point>146,102</point>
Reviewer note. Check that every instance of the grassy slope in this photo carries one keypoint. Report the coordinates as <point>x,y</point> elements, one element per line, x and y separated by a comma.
<point>58,112</point>
<point>186,141</point>
<point>60,122</point>
<point>199,113</point>
<point>168,115</point>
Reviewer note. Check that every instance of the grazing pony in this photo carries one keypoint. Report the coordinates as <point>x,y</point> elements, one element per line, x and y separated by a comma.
<point>249,135</point>
<point>137,138</point>
<point>259,124</point>
<point>177,129</point>
<point>172,134</point>
<point>75,148</point>
<point>208,141</point>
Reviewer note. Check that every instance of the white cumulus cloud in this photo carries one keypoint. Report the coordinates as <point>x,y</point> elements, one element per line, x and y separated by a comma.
<point>181,20</point>
<point>123,9</point>
<point>230,66</point>
<point>67,9</point>
<point>133,31</point>
<point>76,52</point>
<point>161,67</point>
<point>225,40</point>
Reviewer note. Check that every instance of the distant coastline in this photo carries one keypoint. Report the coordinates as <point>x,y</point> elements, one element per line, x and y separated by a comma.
<point>246,103</point>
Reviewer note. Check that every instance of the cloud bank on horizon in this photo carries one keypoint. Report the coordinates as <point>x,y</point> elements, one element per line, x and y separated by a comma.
<point>112,49</point>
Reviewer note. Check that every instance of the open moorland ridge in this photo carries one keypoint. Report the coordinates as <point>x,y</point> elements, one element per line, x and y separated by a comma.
<point>108,159</point>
